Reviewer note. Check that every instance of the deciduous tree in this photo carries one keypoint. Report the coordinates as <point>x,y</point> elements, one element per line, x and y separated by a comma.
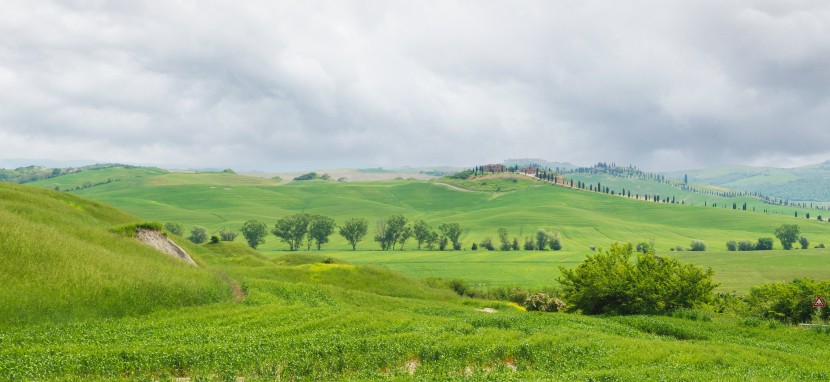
<point>254,232</point>
<point>353,231</point>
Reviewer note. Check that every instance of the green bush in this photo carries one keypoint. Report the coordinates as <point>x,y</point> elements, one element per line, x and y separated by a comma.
<point>731,245</point>
<point>697,245</point>
<point>764,244</point>
<point>174,228</point>
<point>198,235</point>
<point>746,245</point>
<point>790,302</point>
<point>608,282</point>
<point>804,242</point>
<point>644,247</point>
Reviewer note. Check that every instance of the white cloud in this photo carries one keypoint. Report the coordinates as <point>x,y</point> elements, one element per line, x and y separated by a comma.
<point>294,85</point>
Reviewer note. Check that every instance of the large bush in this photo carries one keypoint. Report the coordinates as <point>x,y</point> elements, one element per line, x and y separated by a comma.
<point>697,245</point>
<point>608,282</point>
<point>788,302</point>
<point>764,244</point>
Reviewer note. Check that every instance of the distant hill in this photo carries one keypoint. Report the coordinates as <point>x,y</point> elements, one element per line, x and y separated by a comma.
<point>808,183</point>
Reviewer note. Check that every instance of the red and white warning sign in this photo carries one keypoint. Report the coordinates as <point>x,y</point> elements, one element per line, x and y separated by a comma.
<point>819,303</point>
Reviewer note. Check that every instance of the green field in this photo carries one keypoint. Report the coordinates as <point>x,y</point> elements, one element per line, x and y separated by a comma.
<point>584,219</point>
<point>240,314</point>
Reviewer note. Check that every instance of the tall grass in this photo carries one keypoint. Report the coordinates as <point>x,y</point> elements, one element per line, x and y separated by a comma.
<point>61,260</point>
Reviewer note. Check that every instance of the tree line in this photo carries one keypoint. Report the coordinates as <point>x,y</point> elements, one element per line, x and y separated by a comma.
<point>391,233</point>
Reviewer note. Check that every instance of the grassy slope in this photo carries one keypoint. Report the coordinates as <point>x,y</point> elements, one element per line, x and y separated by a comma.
<point>62,261</point>
<point>800,183</point>
<point>583,218</point>
<point>304,319</point>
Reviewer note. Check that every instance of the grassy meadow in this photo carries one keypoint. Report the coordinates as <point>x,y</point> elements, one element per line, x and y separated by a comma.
<point>520,204</point>
<point>296,316</point>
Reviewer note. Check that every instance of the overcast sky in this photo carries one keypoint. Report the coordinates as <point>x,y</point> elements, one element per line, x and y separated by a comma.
<point>291,85</point>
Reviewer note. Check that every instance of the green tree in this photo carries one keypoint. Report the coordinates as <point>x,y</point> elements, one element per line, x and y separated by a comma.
<point>644,247</point>
<point>227,235</point>
<point>254,232</point>
<point>787,234</point>
<point>390,231</point>
<point>406,233</point>
<point>541,240</point>
<point>609,282</point>
<point>804,242</point>
<point>504,239</point>
<point>292,229</point>
<point>319,229</point>
<point>174,228</point>
<point>451,231</point>
<point>432,240</point>
<point>198,234</point>
<point>421,230</point>
<point>353,231</point>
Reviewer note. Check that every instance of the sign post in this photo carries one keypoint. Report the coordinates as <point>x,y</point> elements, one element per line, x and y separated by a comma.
<point>818,304</point>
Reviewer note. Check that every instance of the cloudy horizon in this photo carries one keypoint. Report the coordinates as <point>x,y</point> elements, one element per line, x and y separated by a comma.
<point>332,84</point>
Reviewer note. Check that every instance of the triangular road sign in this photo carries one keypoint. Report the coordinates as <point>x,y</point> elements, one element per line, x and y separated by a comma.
<point>819,303</point>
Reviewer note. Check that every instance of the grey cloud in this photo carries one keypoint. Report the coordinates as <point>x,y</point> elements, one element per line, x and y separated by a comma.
<point>303,84</point>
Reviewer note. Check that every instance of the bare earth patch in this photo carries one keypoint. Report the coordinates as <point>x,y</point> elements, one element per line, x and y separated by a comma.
<point>162,243</point>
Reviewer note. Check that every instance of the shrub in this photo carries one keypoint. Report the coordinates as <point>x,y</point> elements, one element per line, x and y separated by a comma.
<point>515,245</point>
<point>764,244</point>
<point>746,245</point>
<point>461,287</point>
<point>731,245</point>
<point>608,282</point>
<point>678,248</point>
<point>555,242</point>
<point>214,239</point>
<point>307,176</point>
<point>804,242</point>
<point>544,303</point>
<point>697,245</point>
<point>788,302</point>
<point>820,245</point>
<point>488,243</point>
<point>442,243</point>
<point>643,247</point>
<point>174,228</point>
<point>227,235</point>
<point>474,247</point>
<point>198,235</point>
<point>529,244</point>
<point>456,246</point>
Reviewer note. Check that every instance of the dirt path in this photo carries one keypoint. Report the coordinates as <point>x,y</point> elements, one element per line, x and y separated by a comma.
<point>450,186</point>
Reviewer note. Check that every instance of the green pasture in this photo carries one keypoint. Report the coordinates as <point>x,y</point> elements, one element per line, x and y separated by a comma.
<point>735,271</point>
<point>583,219</point>
<point>93,304</point>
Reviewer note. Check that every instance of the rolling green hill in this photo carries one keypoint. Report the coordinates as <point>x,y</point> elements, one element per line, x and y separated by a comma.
<point>100,306</point>
<point>522,205</point>
<point>61,260</point>
<point>807,183</point>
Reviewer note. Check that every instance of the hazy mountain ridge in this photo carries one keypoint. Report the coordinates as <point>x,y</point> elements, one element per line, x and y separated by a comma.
<point>807,183</point>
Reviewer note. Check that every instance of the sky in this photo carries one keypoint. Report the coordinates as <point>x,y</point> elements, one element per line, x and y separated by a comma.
<point>294,85</point>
